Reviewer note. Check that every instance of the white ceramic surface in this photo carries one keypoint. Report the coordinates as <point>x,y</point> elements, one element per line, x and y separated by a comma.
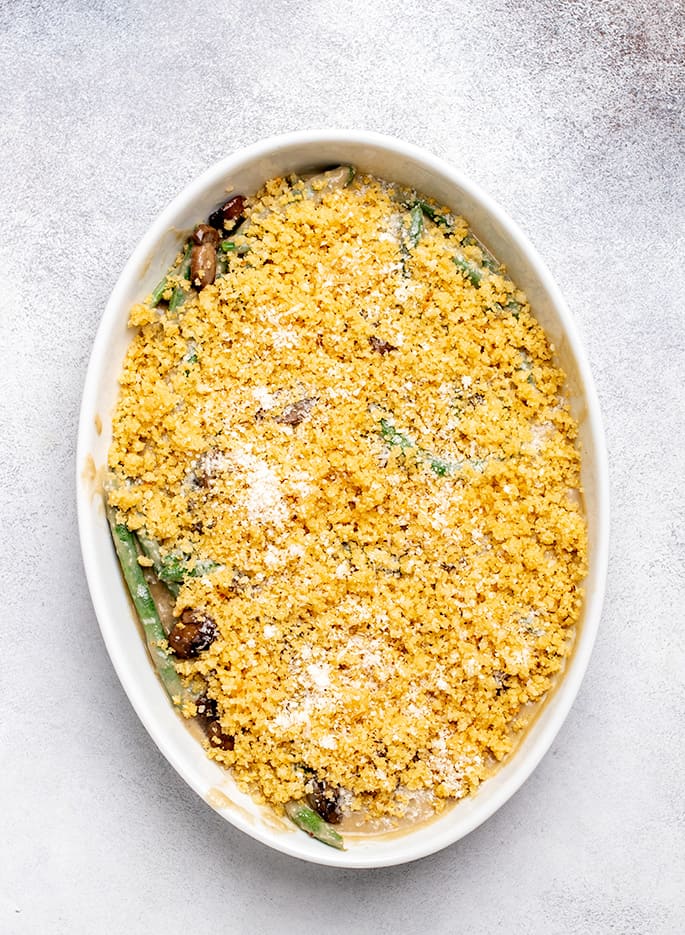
<point>245,171</point>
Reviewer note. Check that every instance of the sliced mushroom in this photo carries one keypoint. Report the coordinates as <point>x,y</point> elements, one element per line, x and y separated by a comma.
<point>192,633</point>
<point>217,738</point>
<point>206,709</point>
<point>203,233</point>
<point>203,264</point>
<point>208,716</point>
<point>382,347</point>
<point>228,216</point>
<point>325,800</point>
<point>297,412</point>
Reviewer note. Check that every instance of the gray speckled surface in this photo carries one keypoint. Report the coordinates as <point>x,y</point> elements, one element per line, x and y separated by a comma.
<point>571,115</point>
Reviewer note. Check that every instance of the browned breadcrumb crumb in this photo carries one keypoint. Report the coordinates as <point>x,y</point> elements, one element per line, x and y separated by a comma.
<point>379,624</point>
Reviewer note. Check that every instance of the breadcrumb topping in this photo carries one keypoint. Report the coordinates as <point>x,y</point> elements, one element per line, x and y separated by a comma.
<point>367,465</point>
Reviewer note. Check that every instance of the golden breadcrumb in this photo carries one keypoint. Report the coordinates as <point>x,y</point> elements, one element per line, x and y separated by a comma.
<point>373,459</point>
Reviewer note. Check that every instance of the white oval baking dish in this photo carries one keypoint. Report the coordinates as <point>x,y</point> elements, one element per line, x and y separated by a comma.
<point>246,170</point>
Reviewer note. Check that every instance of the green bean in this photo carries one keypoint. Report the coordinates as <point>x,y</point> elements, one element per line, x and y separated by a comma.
<point>328,181</point>
<point>526,365</point>
<point>125,546</point>
<point>184,268</point>
<point>190,356</point>
<point>489,262</point>
<point>230,246</point>
<point>158,292</point>
<point>411,234</point>
<point>178,296</point>
<point>435,216</point>
<point>473,271</point>
<point>439,466</point>
<point>415,226</point>
<point>317,186</point>
<point>173,569</point>
<point>390,434</point>
<point>150,548</point>
<point>512,306</point>
<point>221,265</point>
<point>469,269</point>
<point>393,437</point>
<point>307,820</point>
